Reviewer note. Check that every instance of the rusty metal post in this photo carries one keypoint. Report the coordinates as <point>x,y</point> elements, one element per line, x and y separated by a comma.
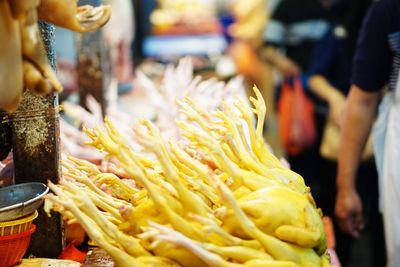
<point>94,67</point>
<point>36,152</point>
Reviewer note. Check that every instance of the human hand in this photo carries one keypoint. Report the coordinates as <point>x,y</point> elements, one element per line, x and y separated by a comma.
<point>348,211</point>
<point>245,58</point>
<point>337,105</point>
<point>287,67</point>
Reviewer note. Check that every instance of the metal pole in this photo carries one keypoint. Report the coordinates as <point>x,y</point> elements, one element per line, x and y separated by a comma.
<point>36,152</point>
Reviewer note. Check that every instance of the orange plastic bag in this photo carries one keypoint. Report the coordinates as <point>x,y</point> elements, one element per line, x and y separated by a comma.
<point>296,118</point>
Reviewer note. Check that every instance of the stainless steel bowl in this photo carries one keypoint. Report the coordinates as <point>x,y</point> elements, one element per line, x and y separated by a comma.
<point>21,199</point>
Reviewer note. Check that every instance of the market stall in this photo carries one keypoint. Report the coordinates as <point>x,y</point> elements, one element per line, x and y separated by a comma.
<point>191,183</point>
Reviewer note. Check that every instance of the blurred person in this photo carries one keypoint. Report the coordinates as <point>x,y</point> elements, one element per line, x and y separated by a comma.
<point>290,37</point>
<point>250,17</point>
<point>294,27</point>
<point>330,72</point>
<point>248,21</point>
<point>376,63</point>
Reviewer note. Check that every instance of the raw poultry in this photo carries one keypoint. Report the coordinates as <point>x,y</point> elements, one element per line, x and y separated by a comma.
<point>217,198</point>
<point>160,99</point>
<point>24,61</point>
<point>179,82</point>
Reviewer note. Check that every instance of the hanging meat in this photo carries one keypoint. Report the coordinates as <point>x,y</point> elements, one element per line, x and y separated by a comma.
<point>23,59</point>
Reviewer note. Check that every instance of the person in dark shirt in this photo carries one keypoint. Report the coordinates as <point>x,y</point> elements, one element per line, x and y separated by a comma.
<point>330,80</point>
<point>295,27</point>
<point>376,64</point>
<point>290,36</point>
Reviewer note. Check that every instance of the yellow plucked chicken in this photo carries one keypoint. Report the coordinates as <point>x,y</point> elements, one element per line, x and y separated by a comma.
<point>220,199</point>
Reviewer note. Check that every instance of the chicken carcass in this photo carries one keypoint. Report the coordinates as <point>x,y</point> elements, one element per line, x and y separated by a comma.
<point>244,209</point>
<point>23,57</point>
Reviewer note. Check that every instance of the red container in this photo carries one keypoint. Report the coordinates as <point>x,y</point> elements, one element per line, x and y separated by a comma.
<point>13,247</point>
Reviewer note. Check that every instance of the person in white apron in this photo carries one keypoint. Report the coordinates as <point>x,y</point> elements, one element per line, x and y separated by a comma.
<point>386,133</point>
<point>377,63</point>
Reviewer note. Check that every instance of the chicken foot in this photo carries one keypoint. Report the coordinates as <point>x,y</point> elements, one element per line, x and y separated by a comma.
<point>121,258</point>
<point>213,258</point>
<point>151,140</point>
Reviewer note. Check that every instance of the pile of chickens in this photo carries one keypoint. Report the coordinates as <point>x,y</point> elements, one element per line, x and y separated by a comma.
<point>180,81</point>
<point>217,198</point>
<point>160,106</point>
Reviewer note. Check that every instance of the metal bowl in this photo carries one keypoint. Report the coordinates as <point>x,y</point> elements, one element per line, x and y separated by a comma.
<point>21,199</point>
